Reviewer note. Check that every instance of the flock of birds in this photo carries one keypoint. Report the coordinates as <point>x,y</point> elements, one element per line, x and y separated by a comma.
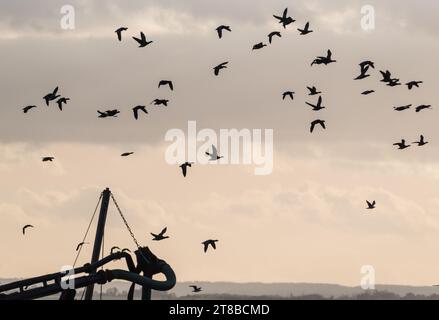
<point>285,20</point>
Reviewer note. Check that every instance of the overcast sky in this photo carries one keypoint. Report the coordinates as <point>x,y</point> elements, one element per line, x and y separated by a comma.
<point>306,222</point>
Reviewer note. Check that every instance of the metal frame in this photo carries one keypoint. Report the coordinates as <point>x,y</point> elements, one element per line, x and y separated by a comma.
<point>51,284</point>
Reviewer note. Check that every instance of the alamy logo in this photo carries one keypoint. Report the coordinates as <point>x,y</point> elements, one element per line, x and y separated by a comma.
<point>368,19</point>
<point>67,281</point>
<point>231,146</point>
<point>68,19</point>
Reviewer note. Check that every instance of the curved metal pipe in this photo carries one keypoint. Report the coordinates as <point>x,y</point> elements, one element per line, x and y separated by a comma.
<point>167,271</point>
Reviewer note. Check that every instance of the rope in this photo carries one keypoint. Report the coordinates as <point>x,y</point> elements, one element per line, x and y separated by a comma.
<point>85,236</point>
<point>88,229</point>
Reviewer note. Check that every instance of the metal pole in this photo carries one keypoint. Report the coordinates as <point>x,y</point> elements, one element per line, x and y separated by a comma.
<point>99,237</point>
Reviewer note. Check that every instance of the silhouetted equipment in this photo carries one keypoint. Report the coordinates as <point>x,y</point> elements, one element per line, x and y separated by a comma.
<point>67,282</point>
<point>98,238</point>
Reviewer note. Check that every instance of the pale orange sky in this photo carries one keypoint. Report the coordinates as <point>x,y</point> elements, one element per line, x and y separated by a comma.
<point>304,223</point>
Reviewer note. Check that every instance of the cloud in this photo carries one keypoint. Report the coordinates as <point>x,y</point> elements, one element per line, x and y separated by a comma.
<point>95,18</point>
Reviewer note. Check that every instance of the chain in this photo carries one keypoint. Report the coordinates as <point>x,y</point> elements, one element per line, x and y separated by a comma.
<point>125,222</point>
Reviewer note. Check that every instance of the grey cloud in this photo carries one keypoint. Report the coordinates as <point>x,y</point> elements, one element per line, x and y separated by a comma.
<point>25,16</point>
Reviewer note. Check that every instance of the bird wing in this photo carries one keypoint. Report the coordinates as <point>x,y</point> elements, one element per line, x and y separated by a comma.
<point>163,231</point>
<point>285,13</point>
<point>329,54</point>
<point>206,246</point>
<point>171,85</point>
<point>364,69</point>
<point>319,102</point>
<point>136,113</point>
<point>369,204</point>
<point>142,39</point>
<point>25,227</point>
<point>323,125</point>
<point>220,32</point>
<point>184,169</point>
<point>79,246</point>
<point>119,34</point>
<point>213,245</point>
<point>307,26</point>
<point>138,40</point>
<point>313,124</point>
<point>310,104</point>
<point>214,152</point>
